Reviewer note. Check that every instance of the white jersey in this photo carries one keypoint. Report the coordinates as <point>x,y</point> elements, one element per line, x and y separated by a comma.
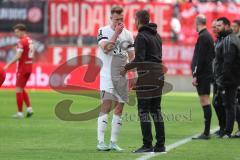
<point>124,40</point>
<point>113,62</point>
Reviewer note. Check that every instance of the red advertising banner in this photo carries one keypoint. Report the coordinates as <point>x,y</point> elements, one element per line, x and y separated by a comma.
<point>40,78</point>
<point>176,58</point>
<point>79,18</point>
<point>84,18</point>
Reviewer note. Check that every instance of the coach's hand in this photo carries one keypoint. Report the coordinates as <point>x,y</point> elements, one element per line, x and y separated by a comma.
<point>123,72</point>
<point>194,81</point>
<point>132,83</point>
<point>119,28</point>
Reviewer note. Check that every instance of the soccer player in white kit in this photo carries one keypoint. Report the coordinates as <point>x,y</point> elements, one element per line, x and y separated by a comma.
<point>115,50</point>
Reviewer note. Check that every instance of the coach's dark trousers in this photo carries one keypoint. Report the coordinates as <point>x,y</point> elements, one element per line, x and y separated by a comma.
<point>219,108</point>
<point>229,102</point>
<point>151,107</point>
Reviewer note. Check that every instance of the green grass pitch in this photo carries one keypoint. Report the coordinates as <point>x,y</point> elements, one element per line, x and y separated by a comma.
<point>45,137</point>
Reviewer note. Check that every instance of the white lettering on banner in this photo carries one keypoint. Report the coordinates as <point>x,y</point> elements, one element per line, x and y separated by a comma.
<point>38,78</point>
<point>160,19</point>
<point>71,53</point>
<point>73,16</point>
<point>86,19</point>
<point>57,55</point>
<point>131,14</point>
<point>186,53</point>
<point>10,80</point>
<point>42,79</point>
<point>53,18</point>
<point>76,19</point>
<point>13,14</point>
<point>172,52</point>
<point>97,18</point>
<point>61,28</point>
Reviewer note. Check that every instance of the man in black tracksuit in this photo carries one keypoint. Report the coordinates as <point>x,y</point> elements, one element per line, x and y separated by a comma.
<point>202,71</point>
<point>227,73</point>
<point>236,29</point>
<point>217,97</point>
<point>148,61</point>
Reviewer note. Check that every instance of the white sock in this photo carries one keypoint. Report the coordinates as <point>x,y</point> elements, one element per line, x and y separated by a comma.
<point>102,125</point>
<point>29,109</point>
<point>116,125</point>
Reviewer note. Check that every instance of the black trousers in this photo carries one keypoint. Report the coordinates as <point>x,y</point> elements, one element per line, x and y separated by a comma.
<point>229,102</point>
<point>218,106</point>
<point>151,107</point>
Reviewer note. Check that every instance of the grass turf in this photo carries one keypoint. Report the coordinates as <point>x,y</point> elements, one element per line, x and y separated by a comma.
<point>45,137</point>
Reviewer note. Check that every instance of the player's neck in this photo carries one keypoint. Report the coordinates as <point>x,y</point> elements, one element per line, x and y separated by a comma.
<point>202,28</point>
<point>23,35</point>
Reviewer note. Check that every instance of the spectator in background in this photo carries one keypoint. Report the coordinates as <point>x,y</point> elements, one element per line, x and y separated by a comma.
<point>175,24</point>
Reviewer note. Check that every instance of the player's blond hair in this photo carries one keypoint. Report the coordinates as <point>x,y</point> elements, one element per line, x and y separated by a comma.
<point>116,9</point>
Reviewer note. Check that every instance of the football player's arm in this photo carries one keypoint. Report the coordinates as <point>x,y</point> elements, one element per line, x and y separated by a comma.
<point>15,59</point>
<point>130,48</point>
<point>109,45</point>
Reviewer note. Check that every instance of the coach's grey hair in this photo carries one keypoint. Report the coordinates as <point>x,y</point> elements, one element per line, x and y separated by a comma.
<point>201,19</point>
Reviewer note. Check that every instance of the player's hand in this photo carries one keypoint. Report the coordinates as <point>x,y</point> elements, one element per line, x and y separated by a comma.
<point>194,81</point>
<point>123,72</point>
<point>119,28</point>
<point>109,46</point>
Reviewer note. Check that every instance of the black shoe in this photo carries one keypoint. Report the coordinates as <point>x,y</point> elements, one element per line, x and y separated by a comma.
<point>201,137</point>
<point>29,114</point>
<point>219,133</point>
<point>159,149</point>
<point>144,149</point>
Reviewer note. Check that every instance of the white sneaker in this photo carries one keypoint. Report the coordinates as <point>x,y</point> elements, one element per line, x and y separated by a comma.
<point>101,146</point>
<point>237,134</point>
<point>114,146</point>
<point>18,115</point>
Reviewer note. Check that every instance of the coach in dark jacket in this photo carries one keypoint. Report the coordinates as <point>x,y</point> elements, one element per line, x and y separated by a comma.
<point>227,72</point>
<point>202,71</point>
<point>148,61</point>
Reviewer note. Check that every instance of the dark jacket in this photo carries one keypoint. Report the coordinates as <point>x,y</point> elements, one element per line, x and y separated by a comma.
<point>203,56</point>
<point>148,46</point>
<point>148,61</point>
<point>227,60</point>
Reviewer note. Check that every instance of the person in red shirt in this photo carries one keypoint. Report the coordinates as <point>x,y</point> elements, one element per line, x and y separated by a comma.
<point>24,56</point>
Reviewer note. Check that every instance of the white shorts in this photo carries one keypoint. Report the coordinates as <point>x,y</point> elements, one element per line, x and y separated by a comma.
<point>116,90</point>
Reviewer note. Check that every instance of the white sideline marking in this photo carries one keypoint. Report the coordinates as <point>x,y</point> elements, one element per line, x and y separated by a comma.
<point>147,156</point>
